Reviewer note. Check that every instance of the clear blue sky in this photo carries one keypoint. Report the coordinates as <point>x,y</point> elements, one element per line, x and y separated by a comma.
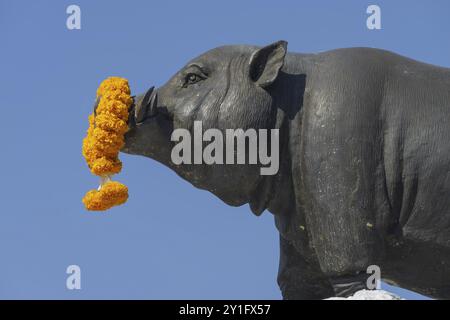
<point>170,240</point>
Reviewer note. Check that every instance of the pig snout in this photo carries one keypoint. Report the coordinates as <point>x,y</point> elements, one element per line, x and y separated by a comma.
<point>145,105</point>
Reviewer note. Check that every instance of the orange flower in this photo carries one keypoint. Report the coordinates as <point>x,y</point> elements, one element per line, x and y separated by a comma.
<point>104,139</point>
<point>104,164</point>
<point>111,122</point>
<point>111,194</point>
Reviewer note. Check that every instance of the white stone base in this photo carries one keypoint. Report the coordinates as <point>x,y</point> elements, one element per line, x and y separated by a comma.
<point>370,295</point>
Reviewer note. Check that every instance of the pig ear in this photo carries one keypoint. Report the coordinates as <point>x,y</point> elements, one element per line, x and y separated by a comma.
<point>265,63</point>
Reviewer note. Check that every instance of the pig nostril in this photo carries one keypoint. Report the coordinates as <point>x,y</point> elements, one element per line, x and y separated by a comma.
<point>146,106</point>
<point>152,109</point>
<point>141,105</point>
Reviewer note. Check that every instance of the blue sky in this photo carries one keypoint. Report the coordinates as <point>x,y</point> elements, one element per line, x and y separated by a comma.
<point>170,241</point>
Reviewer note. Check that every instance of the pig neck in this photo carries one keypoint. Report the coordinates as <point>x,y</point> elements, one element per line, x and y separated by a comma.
<point>276,192</point>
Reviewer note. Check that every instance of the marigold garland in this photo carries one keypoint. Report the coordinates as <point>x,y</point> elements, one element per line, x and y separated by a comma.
<point>104,139</point>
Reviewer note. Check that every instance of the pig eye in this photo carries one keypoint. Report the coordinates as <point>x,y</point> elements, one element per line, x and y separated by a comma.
<point>192,78</point>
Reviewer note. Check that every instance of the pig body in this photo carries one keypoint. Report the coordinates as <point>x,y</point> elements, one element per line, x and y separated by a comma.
<point>364,149</point>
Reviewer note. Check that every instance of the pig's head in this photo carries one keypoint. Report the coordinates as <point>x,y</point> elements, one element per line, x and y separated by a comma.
<point>224,88</point>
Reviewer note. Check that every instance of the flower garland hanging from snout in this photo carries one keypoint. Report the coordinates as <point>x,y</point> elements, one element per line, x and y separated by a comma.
<point>104,139</point>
